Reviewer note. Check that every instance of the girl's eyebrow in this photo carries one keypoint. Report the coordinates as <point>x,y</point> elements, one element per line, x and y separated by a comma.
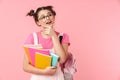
<point>44,14</point>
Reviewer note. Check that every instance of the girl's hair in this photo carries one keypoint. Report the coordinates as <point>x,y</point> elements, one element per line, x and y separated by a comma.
<point>35,14</point>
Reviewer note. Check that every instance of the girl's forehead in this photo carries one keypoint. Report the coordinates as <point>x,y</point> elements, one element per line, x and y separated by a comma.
<point>42,12</point>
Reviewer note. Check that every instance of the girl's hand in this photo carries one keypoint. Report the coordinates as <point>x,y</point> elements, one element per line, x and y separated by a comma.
<point>50,70</point>
<point>49,30</point>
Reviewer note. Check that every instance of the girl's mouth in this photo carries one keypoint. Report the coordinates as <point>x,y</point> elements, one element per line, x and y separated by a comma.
<point>49,22</point>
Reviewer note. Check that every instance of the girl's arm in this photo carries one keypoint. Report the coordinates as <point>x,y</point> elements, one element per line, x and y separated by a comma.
<point>27,67</point>
<point>60,49</point>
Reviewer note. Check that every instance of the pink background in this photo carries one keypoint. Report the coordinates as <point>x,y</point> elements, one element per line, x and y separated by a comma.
<point>93,27</point>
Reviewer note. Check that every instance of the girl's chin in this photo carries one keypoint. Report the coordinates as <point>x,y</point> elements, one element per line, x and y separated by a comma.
<point>49,25</point>
<point>45,26</point>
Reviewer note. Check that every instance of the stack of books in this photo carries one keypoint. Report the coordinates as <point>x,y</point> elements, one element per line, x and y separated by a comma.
<point>41,58</point>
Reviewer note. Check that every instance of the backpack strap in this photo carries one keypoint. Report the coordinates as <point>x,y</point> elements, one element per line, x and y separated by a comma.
<point>35,38</point>
<point>60,37</point>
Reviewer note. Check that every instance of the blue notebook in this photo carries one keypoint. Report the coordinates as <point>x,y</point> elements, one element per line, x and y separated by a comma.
<point>55,59</point>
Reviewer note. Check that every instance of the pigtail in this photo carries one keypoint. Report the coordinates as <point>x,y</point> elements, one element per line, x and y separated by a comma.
<point>31,13</point>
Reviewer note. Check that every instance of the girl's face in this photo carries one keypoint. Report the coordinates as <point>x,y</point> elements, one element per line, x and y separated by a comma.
<point>45,18</point>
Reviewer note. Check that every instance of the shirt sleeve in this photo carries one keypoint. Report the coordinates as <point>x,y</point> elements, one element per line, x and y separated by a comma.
<point>65,39</point>
<point>29,40</point>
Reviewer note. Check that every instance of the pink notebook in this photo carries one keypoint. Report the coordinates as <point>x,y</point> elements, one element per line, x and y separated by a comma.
<point>32,52</point>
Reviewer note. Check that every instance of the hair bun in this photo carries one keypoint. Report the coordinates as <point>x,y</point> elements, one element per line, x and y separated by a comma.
<point>49,6</point>
<point>31,13</point>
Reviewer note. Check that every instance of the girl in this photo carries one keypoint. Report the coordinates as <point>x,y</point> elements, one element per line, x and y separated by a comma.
<point>48,38</point>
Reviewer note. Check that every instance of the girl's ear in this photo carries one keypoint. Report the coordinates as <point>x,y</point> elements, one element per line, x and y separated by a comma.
<point>38,23</point>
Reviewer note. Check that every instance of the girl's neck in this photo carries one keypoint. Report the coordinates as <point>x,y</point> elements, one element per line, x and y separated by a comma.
<point>44,35</point>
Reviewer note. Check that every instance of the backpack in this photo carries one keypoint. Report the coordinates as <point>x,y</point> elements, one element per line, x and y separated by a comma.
<point>69,66</point>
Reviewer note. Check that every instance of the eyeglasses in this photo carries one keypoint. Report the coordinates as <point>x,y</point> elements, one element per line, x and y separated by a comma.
<point>50,15</point>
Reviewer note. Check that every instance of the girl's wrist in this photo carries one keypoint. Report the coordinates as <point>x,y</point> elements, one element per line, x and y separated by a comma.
<point>54,35</point>
<point>43,72</point>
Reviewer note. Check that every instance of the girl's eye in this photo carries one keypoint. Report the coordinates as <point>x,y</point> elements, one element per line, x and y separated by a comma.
<point>43,17</point>
<point>50,15</point>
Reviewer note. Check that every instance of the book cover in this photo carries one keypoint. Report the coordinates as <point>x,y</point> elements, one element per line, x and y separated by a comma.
<point>30,51</point>
<point>27,53</point>
<point>42,61</point>
<point>55,59</point>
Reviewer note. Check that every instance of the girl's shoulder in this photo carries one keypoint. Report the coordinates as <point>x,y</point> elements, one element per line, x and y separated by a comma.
<point>65,37</point>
